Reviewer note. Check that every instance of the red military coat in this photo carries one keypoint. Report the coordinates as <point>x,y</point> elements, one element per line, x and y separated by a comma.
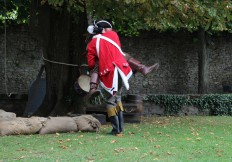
<point>110,59</point>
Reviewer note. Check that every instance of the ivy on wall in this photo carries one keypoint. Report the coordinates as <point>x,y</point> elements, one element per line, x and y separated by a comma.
<point>216,104</point>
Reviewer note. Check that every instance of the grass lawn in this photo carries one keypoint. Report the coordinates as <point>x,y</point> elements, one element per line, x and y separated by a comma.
<point>198,138</point>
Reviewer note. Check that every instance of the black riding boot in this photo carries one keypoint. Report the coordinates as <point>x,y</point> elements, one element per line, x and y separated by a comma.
<point>115,124</point>
<point>121,121</point>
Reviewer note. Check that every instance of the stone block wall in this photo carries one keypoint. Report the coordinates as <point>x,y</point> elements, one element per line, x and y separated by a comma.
<point>176,52</point>
<point>220,69</point>
<point>21,62</point>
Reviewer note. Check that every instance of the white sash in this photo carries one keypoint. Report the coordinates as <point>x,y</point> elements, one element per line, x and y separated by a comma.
<point>99,36</point>
<point>116,70</point>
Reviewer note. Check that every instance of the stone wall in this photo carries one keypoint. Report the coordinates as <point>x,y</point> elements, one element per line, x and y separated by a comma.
<point>22,58</point>
<point>176,52</point>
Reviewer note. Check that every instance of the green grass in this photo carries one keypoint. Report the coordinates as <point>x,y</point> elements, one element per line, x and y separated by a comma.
<point>198,138</point>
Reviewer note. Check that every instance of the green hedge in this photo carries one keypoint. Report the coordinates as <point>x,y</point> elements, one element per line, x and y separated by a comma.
<point>216,104</point>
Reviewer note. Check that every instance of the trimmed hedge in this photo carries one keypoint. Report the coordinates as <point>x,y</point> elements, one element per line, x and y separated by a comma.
<point>216,104</point>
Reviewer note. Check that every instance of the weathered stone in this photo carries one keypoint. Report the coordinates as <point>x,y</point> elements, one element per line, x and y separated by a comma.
<point>176,53</point>
<point>189,110</point>
<point>152,109</point>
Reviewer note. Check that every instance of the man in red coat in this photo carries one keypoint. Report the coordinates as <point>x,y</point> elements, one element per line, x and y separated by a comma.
<point>114,71</point>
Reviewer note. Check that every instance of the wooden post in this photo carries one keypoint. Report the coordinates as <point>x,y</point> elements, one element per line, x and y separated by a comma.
<point>203,59</point>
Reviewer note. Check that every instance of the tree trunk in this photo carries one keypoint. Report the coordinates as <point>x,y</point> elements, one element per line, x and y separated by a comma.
<point>203,57</point>
<point>56,31</point>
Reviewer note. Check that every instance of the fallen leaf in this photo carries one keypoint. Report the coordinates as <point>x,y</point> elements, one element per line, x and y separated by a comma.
<point>119,150</point>
<point>157,146</point>
<point>80,136</point>
<point>60,141</point>
<point>159,132</point>
<point>218,151</point>
<point>131,133</point>
<point>219,154</point>
<point>169,153</point>
<point>63,147</point>
<point>68,140</point>
<point>136,148</point>
<point>113,141</point>
<point>21,149</point>
<point>192,128</point>
<point>199,152</point>
<point>90,159</point>
<point>195,133</point>
<point>145,154</point>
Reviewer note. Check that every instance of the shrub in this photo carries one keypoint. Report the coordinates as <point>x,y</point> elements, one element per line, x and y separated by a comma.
<point>216,104</point>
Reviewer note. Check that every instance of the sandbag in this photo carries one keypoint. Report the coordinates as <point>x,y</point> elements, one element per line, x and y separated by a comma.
<point>58,125</point>
<point>87,123</point>
<point>6,116</point>
<point>42,120</point>
<point>20,126</point>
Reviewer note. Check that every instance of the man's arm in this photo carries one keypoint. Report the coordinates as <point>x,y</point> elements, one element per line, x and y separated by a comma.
<point>91,57</point>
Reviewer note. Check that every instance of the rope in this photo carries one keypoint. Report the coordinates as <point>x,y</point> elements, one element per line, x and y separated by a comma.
<point>5,65</point>
<point>5,62</point>
<point>62,63</point>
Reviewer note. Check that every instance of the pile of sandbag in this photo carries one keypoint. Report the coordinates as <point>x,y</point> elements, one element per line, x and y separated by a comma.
<point>20,126</point>
<point>70,124</point>
<point>12,125</point>
<point>5,116</point>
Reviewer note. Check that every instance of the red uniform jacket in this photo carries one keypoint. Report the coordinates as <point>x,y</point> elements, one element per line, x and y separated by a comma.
<point>110,59</point>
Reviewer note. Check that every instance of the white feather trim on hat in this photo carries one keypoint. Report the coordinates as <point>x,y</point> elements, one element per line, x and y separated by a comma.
<point>90,29</point>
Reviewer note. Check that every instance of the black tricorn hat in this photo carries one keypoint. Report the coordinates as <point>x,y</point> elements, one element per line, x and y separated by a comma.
<point>103,24</point>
